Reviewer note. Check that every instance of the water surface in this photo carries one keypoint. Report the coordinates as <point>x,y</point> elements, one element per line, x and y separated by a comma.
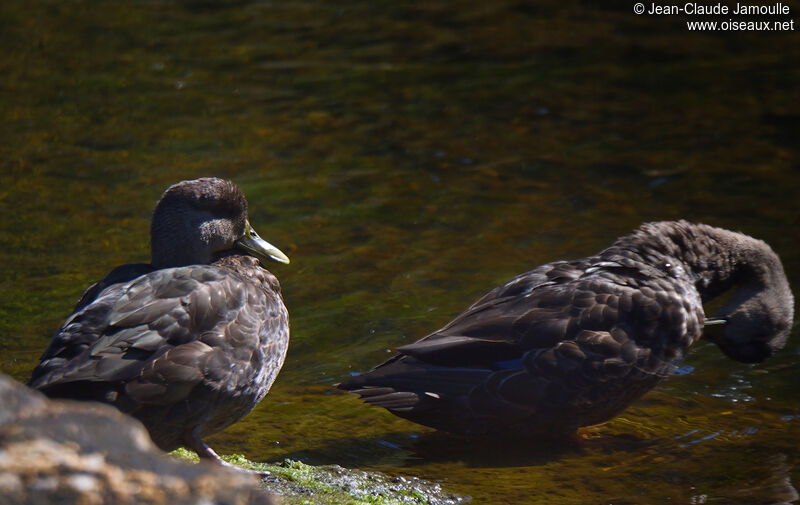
<point>408,159</point>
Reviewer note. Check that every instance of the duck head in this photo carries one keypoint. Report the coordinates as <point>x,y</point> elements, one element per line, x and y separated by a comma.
<point>196,220</point>
<point>758,319</point>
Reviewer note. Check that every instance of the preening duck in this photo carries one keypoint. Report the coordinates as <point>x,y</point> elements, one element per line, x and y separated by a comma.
<point>573,343</point>
<point>189,343</point>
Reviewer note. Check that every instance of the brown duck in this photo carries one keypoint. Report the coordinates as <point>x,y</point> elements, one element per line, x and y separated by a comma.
<point>573,343</point>
<point>189,343</point>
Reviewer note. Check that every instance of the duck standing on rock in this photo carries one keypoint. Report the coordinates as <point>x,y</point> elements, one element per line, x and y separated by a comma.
<point>189,343</point>
<point>573,343</point>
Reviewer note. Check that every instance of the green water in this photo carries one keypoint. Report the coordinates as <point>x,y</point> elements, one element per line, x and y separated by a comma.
<point>408,158</point>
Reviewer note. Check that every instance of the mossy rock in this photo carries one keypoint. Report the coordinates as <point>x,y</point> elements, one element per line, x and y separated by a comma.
<point>301,484</point>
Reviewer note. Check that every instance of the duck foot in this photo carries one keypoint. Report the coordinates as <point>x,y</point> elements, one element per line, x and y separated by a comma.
<point>204,451</point>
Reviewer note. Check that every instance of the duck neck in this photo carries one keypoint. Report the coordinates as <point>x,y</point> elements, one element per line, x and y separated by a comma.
<point>758,316</point>
<point>717,260</point>
<point>177,237</point>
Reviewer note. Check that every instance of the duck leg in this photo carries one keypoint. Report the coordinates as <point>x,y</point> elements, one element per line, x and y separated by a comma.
<point>194,442</point>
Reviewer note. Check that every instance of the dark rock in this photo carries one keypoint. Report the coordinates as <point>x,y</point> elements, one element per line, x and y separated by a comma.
<point>60,451</point>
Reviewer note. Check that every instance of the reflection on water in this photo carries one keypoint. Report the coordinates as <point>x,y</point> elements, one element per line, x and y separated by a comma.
<point>411,157</point>
<point>776,488</point>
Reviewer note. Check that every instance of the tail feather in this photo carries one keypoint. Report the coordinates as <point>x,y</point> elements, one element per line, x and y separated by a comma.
<point>409,374</point>
<point>388,398</point>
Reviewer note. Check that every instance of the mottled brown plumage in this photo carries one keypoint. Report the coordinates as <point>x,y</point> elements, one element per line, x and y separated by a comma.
<point>573,343</point>
<point>189,343</point>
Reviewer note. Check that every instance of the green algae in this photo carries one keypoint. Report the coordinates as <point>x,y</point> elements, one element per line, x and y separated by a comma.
<point>300,484</point>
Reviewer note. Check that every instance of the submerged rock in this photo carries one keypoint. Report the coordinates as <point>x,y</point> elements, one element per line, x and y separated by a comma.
<point>57,451</point>
<point>299,484</point>
<point>332,484</point>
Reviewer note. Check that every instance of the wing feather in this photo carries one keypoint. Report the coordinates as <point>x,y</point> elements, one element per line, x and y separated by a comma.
<point>156,337</point>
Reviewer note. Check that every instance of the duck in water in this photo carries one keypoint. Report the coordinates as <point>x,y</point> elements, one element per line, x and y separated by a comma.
<point>189,343</point>
<point>573,343</point>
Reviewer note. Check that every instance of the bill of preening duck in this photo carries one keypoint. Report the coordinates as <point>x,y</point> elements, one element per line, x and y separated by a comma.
<point>573,343</point>
<point>189,343</point>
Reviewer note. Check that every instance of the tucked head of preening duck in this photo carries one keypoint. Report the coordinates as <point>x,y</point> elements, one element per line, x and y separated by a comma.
<point>572,343</point>
<point>758,317</point>
<point>189,343</point>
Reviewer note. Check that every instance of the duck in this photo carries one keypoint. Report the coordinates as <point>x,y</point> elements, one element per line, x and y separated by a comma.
<point>573,343</point>
<point>189,343</point>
